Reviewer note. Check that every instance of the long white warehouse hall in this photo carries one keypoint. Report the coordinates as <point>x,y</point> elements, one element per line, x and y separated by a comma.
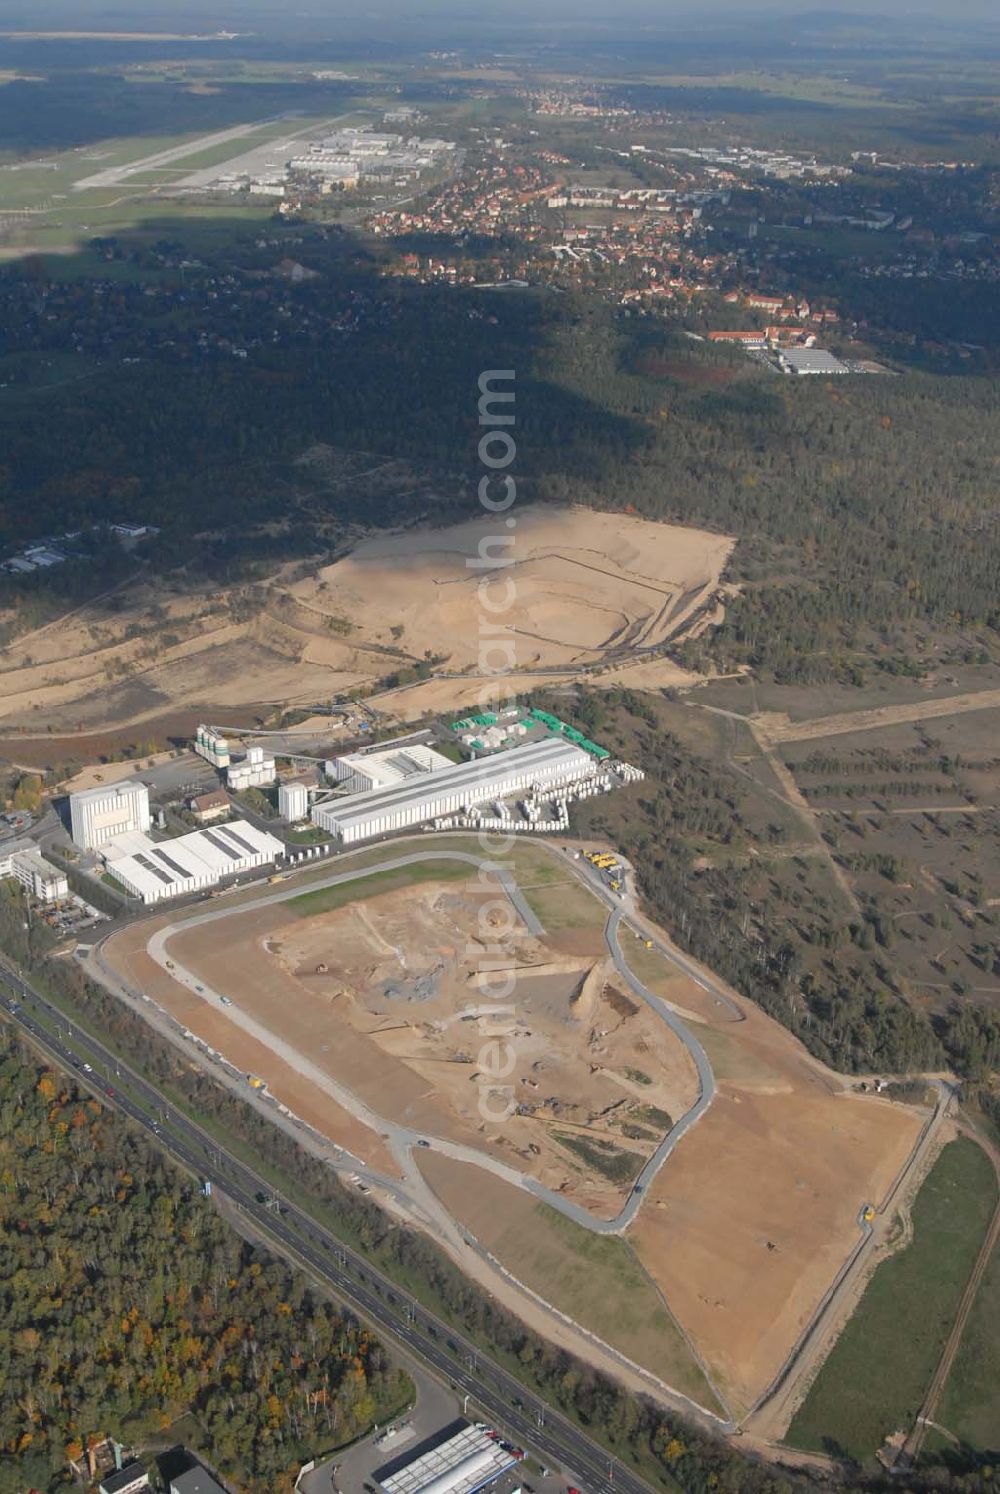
<point>546,765</point>
<point>153,870</point>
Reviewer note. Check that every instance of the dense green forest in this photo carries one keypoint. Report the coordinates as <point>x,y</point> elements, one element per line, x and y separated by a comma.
<point>710,867</point>
<point>865,509</point>
<point>126,1303</point>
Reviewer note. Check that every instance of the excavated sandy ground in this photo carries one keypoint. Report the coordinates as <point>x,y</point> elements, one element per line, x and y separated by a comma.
<point>385,997</point>
<point>748,1223</point>
<point>583,583</point>
<point>126,954</point>
<point>751,1217</point>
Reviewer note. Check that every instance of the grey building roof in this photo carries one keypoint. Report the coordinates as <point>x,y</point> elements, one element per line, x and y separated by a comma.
<point>123,788</point>
<point>479,778</point>
<point>122,1478</point>
<point>195,1481</point>
<point>813,360</point>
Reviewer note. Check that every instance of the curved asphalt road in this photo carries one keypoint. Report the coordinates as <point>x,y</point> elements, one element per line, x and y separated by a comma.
<point>402,1138</point>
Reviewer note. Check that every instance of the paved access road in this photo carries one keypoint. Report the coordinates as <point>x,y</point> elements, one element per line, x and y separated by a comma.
<point>706,1079</point>
<point>523,1416</point>
<point>403,1138</point>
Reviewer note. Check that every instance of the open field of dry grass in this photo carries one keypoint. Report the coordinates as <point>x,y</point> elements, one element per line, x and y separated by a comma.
<point>596,1281</point>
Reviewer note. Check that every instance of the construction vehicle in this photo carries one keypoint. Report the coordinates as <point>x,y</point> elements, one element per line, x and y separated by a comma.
<point>255,1083</point>
<point>868,1213</point>
<point>616,886</point>
<point>648,943</point>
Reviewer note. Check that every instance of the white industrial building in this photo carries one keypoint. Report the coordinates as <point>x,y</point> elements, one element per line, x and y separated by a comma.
<point>470,1459</point>
<point>153,870</point>
<point>293,801</point>
<point>256,770</point>
<point>23,860</point>
<point>810,361</point>
<point>98,815</point>
<point>543,766</point>
<point>360,771</point>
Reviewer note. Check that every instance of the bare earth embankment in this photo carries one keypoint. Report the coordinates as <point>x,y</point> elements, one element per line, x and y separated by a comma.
<point>746,1225</point>
<point>588,589</point>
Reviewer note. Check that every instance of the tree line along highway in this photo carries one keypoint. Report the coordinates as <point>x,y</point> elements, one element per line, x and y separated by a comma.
<point>522,1414</point>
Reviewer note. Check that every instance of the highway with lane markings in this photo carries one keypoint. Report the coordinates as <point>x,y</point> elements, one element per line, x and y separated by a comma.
<point>516,1410</point>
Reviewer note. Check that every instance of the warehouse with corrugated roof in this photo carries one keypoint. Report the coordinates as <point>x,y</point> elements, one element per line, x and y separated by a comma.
<point>544,767</point>
<point>466,1461</point>
<point>153,870</point>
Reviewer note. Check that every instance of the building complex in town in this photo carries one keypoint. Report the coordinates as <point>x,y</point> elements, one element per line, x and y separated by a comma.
<point>99,815</point>
<point>23,860</point>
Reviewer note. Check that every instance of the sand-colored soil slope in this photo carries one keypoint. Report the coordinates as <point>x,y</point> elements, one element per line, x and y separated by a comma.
<point>581,584</point>
<point>586,588</point>
<point>387,996</point>
<point>747,1225</point>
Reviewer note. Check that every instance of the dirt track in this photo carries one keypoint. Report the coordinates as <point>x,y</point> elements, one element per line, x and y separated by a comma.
<point>775,728</point>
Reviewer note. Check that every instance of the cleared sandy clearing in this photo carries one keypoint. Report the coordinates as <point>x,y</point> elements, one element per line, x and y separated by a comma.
<point>587,588</point>
<point>383,996</point>
<point>582,583</point>
<point>748,1223</point>
<point>126,954</point>
<point>750,1219</point>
